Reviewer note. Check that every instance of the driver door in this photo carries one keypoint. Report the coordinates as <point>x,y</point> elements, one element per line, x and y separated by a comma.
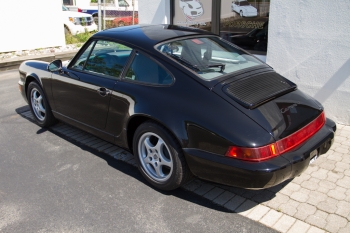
<point>82,91</point>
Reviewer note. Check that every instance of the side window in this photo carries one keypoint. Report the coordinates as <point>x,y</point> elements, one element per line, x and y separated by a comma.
<point>145,70</point>
<point>80,62</point>
<point>108,58</point>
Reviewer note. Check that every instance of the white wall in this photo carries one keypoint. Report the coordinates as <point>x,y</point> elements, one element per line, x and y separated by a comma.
<point>309,43</point>
<point>154,11</point>
<point>30,24</point>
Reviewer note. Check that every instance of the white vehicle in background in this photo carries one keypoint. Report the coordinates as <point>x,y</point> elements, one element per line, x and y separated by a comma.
<point>76,22</point>
<point>110,9</point>
<point>244,9</point>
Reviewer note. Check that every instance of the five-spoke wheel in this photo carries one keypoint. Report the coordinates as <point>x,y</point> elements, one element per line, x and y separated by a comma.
<point>155,156</point>
<point>39,106</point>
<point>159,156</point>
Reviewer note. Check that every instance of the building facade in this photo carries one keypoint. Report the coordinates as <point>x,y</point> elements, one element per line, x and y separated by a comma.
<point>306,41</point>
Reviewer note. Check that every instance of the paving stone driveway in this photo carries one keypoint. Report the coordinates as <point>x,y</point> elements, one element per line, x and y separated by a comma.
<point>316,201</point>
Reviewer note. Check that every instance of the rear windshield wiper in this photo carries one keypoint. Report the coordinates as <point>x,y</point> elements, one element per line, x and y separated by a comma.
<point>195,67</point>
<point>184,62</point>
<point>219,65</point>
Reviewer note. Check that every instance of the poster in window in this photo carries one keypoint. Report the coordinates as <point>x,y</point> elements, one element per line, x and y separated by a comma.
<point>245,23</point>
<point>193,13</point>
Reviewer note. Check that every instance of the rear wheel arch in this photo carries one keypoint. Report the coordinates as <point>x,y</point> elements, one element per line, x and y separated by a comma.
<point>136,121</point>
<point>121,23</point>
<point>159,156</point>
<point>66,30</point>
<point>95,17</point>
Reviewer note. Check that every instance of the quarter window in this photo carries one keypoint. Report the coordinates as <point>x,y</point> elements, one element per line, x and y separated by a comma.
<point>145,70</point>
<point>104,57</point>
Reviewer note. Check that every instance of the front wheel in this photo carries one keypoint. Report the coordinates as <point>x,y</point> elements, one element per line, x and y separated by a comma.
<point>66,31</point>
<point>39,105</point>
<point>95,19</point>
<point>241,13</point>
<point>159,157</point>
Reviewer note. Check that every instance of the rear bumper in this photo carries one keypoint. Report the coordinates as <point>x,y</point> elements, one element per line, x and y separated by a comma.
<point>259,175</point>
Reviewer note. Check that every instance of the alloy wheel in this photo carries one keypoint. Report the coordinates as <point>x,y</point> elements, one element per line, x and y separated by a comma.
<point>37,104</point>
<point>155,157</point>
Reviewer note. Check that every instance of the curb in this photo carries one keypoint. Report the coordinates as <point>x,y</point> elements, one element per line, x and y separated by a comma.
<point>14,63</point>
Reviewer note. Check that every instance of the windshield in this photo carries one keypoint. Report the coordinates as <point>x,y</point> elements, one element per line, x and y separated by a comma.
<point>209,57</point>
<point>244,3</point>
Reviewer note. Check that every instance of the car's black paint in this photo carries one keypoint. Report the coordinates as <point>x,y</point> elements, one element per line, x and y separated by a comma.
<point>272,115</point>
<point>200,115</point>
<point>263,174</point>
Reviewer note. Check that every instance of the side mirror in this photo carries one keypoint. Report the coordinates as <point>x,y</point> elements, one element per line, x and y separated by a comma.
<point>55,66</point>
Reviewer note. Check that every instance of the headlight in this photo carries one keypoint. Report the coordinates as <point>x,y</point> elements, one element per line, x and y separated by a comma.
<point>73,20</point>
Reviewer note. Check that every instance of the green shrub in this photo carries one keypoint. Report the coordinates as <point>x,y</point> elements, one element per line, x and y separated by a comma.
<point>78,38</point>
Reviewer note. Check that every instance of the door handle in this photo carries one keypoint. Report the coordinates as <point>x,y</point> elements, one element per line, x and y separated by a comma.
<point>103,91</point>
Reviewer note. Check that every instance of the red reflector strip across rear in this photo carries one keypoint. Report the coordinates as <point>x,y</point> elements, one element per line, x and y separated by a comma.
<point>282,146</point>
<point>300,136</point>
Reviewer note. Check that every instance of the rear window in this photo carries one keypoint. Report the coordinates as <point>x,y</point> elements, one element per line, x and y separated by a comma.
<point>209,57</point>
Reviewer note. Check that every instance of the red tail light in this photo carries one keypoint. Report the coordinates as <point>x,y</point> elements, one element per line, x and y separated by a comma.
<point>252,154</point>
<point>281,146</point>
<point>300,136</point>
<point>79,10</point>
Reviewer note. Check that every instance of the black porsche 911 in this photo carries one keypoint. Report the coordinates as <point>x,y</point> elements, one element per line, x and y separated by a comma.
<point>185,102</point>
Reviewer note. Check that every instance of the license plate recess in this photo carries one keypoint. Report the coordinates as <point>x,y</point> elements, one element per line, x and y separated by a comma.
<point>313,155</point>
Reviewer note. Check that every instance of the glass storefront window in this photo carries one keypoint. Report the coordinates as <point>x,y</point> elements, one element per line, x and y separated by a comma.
<point>245,23</point>
<point>193,13</point>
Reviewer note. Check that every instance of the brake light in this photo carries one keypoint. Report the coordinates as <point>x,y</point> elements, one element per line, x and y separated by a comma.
<point>252,154</point>
<point>79,10</point>
<point>300,136</point>
<point>281,146</point>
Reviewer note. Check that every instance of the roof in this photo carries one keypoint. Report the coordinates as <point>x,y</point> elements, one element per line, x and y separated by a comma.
<point>146,36</point>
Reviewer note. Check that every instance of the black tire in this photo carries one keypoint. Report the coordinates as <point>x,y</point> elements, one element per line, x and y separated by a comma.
<point>66,31</point>
<point>39,106</point>
<point>161,161</point>
<point>241,13</point>
<point>96,19</point>
<point>121,24</point>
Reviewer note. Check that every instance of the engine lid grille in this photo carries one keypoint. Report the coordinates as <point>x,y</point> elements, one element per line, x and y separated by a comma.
<point>255,90</point>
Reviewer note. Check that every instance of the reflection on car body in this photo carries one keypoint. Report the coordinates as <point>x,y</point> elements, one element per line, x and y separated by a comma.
<point>256,39</point>
<point>185,102</point>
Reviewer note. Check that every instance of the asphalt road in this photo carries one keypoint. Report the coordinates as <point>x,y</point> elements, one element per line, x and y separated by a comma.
<point>49,183</point>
